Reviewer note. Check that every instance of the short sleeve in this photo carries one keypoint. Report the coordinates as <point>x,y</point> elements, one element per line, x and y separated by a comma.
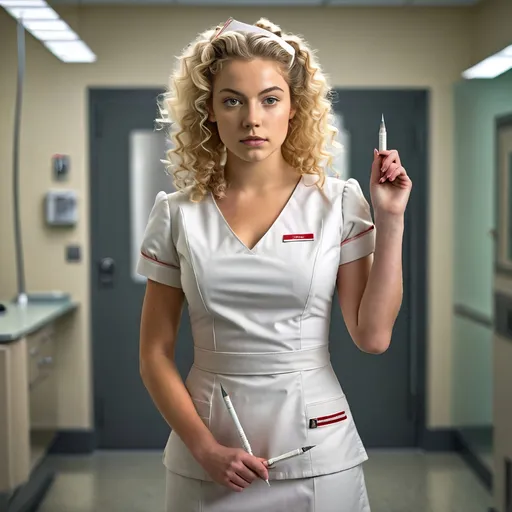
<point>358,231</point>
<point>158,258</point>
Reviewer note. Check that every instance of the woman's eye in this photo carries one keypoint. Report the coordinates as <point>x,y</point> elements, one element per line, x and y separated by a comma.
<point>231,102</point>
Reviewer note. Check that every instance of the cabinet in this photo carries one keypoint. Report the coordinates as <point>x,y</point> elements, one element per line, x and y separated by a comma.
<point>15,421</point>
<point>29,348</point>
<point>28,394</point>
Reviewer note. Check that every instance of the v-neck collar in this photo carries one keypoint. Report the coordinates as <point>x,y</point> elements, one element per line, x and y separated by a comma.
<point>271,227</point>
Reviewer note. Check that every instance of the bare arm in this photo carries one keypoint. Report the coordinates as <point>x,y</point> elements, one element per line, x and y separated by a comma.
<point>161,314</point>
<point>370,289</point>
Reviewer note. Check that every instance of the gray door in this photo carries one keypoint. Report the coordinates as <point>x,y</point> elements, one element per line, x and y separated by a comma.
<point>383,390</point>
<point>123,151</point>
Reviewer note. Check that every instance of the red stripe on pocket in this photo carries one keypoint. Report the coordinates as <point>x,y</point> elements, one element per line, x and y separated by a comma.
<point>321,418</point>
<point>337,420</point>
<point>327,420</point>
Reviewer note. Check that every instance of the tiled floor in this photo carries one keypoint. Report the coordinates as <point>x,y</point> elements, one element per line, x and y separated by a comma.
<point>398,481</point>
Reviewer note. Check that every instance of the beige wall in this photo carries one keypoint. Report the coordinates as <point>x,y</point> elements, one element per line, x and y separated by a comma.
<point>417,47</point>
<point>492,28</point>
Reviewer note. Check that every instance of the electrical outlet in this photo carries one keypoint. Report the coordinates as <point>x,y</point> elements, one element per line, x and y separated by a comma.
<point>73,253</point>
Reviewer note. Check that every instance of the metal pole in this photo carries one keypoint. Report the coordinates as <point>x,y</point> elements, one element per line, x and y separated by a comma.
<point>20,269</point>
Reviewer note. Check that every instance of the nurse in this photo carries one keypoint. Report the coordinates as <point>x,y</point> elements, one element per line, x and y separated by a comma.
<point>256,239</point>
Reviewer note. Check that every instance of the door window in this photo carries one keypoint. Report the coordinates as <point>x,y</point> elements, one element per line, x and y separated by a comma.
<point>147,178</point>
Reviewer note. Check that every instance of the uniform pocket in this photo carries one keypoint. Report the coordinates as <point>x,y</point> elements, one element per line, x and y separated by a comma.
<point>327,413</point>
<point>330,428</point>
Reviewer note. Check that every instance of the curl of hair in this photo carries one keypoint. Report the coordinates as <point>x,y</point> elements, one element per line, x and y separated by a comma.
<point>195,158</point>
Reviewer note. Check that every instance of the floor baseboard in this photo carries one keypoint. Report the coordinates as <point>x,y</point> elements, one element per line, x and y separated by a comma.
<point>76,442</point>
<point>29,496</point>
<point>473,461</point>
<point>437,440</point>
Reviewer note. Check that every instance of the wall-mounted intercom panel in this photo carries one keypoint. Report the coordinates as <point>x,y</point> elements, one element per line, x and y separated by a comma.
<point>61,208</point>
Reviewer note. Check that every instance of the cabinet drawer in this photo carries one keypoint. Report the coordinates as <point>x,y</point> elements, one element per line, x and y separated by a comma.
<point>43,388</point>
<point>40,354</point>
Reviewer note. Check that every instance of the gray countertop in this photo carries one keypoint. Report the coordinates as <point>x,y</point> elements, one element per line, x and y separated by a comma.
<point>18,321</point>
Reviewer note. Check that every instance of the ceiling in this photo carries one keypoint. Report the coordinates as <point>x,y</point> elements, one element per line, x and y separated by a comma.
<point>276,3</point>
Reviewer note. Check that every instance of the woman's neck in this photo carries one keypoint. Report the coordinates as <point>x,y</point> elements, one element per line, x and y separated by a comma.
<point>273,172</point>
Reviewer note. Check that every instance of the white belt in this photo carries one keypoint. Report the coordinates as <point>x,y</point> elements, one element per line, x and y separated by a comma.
<point>265,363</point>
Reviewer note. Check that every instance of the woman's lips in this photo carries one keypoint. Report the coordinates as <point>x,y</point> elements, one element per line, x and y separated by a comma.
<point>254,142</point>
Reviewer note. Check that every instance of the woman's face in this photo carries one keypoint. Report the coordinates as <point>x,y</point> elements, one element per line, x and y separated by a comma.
<point>252,108</point>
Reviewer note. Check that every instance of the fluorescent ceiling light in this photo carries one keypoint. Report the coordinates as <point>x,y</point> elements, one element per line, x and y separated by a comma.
<point>23,3</point>
<point>54,35</point>
<point>71,51</point>
<point>507,51</point>
<point>32,13</point>
<point>492,66</point>
<point>44,24</point>
<point>489,68</point>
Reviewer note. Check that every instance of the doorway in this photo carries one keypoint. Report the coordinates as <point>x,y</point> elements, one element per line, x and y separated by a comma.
<point>498,440</point>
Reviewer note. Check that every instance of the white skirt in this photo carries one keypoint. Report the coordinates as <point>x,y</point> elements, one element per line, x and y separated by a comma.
<point>344,491</point>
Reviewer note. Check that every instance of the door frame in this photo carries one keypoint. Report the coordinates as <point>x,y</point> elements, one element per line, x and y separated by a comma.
<point>417,212</point>
<point>499,479</point>
<point>420,273</point>
<point>502,121</point>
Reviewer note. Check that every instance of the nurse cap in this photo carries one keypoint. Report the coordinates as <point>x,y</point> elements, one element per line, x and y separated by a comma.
<point>233,25</point>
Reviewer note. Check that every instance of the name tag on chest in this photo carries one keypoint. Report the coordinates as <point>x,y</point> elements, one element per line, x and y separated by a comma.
<point>299,237</point>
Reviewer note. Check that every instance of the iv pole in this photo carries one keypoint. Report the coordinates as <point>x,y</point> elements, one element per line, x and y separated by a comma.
<point>21,298</point>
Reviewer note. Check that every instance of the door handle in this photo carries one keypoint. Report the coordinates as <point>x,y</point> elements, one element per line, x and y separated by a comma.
<point>106,271</point>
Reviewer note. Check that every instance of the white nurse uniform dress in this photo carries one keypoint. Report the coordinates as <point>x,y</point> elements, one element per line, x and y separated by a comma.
<point>260,322</point>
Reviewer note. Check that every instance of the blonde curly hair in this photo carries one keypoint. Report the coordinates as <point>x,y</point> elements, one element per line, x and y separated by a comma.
<point>195,160</point>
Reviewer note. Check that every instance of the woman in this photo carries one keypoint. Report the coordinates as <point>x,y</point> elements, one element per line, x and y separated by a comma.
<point>256,239</point>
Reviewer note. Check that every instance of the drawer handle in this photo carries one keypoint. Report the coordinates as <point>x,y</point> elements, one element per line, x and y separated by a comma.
<point>37,381</point>
<point>45,361</point>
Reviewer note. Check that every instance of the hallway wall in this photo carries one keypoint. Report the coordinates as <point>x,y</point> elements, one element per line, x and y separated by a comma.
<point>477,103</point>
